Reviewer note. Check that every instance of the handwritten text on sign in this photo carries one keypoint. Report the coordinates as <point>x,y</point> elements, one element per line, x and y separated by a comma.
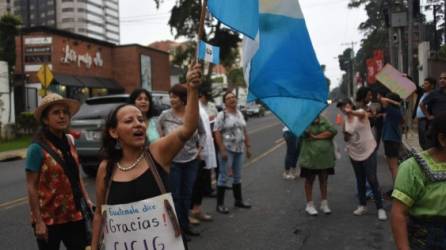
<point>395,81</point>
<point>140,225</point>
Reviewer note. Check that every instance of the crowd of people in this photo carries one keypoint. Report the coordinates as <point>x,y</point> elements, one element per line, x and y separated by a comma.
<point>190,143</point>
<point>142,156</point>
<point>418,196</point>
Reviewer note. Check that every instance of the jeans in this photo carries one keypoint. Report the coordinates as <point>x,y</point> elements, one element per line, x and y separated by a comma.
<point>234,163</point>
<point>366,170</point>
<point>72,234</point>
<point>202,183</point>
<point>422,133</point>
<point>181,182</point>
<point>292,149</point>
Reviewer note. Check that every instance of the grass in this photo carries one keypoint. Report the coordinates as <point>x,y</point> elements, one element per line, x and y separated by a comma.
<point>14,144</point>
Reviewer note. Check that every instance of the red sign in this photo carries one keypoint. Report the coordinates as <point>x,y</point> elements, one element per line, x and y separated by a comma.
<point>371,72</point>
<point>375,65</point>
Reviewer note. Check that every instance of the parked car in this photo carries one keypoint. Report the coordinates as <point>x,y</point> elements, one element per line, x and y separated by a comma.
<point>254,110</point>
<point>88,125</point>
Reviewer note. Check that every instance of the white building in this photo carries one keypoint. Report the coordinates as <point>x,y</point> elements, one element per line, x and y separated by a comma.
<point>97,19</point>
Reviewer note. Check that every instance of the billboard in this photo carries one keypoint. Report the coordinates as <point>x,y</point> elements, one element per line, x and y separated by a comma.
<point>146,72</point>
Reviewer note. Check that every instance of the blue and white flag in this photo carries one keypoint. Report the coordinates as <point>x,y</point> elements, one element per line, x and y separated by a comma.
<point>239,15</point>
<point>209,53</point>
<point>281,66</point>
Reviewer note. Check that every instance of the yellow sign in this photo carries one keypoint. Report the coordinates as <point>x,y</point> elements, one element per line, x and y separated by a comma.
<point>45,76</point>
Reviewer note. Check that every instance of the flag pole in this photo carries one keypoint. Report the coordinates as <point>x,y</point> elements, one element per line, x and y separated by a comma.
<point>201,26</point>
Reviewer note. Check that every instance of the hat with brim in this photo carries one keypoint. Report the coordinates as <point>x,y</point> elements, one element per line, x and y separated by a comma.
<point>52,99</point>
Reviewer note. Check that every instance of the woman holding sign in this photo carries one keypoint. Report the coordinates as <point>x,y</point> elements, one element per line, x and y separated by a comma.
<point>132,171</point>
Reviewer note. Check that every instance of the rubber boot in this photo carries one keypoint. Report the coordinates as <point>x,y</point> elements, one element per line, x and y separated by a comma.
<point>221,200</point>
<point>237,189</point>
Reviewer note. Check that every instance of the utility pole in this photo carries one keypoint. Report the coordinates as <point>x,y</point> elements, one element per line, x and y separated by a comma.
<point>410,15</point>
<point>350,83</point>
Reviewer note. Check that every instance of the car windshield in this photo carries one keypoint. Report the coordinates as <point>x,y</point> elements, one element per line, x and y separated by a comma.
<point>96,111</point>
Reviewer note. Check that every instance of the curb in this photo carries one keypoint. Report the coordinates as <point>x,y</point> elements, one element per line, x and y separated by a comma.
<point>13,155</point>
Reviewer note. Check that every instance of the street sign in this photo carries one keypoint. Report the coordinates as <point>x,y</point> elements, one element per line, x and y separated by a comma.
<point>399,19</point>
<point>45,76</point>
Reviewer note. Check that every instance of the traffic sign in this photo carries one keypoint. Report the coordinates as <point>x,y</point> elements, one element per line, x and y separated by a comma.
<point>45,76</point>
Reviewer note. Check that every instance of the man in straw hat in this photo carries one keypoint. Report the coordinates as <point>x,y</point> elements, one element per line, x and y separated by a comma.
<point>57,197</point>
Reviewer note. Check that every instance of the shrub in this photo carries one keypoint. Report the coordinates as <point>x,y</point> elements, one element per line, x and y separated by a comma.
<point>26,124</point>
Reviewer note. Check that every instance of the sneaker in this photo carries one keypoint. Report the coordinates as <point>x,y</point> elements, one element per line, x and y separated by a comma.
<point>296,173</point>
<point>286,175</point>
<point>361,210</point>
<point>324,207</point>
<point>193,221</point>
<point>310,209</point>
<point>382,214</point>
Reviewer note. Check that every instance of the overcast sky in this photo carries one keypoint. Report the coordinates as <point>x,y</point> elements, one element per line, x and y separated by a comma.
<point>330,23</point>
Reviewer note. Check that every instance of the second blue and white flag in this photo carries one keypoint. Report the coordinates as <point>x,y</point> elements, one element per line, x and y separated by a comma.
<point>209,53</point>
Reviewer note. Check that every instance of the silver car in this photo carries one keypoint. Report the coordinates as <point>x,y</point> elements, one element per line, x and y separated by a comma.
<point>88,124</point>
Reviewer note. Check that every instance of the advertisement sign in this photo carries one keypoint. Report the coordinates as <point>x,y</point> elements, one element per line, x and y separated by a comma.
<point>38,40</point>
<point>146,72</point>
<point>371,71</point>
<point>140,225</point>
<point>395,81</point>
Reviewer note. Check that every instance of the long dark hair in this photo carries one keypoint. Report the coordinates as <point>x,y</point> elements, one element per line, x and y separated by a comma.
<point>136,93</point>
<point>108,150</point>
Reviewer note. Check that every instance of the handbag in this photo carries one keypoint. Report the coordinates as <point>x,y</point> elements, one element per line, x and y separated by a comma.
<point>79,199</point>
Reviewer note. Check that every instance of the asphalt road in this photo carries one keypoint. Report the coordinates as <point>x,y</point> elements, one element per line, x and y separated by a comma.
<point>276,221</point>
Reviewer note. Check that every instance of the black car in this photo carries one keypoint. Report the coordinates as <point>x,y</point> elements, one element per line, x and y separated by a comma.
<point>88,125</point>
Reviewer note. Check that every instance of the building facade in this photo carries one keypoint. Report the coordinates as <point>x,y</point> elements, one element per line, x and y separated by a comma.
<point>97,19</point>
<point>84,67</point>
<point>6,7</point>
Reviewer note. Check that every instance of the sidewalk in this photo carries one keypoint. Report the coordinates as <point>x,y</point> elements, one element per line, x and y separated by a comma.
<point>411,139</point>
<point>13,154</point>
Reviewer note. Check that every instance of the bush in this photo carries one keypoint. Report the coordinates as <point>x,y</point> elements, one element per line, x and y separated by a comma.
<point>26,124</point>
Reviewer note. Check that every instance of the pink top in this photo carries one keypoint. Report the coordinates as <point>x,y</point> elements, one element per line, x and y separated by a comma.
<point>362,143</point>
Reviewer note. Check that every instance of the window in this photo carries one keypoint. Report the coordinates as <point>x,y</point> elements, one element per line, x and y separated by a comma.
<point>68,10</point>
<point>67,1</point>
<point>81,10</point>
<point>67,20</point>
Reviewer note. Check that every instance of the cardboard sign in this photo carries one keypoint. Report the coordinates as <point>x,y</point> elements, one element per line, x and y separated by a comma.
<point>140,225</point>
<point>395,81</point>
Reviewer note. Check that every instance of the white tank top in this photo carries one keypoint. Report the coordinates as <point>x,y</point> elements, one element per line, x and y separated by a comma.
<point>362,143</point>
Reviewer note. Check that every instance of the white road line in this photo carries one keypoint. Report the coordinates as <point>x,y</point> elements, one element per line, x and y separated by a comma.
<point>251,162</point>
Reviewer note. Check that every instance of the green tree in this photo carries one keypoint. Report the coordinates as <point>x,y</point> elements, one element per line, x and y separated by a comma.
<point>9,29</point>
<point>184,22</point>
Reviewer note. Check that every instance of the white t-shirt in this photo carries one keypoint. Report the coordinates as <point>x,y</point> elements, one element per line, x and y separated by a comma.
<point>362,143</point>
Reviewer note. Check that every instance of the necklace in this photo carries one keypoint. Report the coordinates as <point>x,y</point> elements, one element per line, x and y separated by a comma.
<point>133,165</point>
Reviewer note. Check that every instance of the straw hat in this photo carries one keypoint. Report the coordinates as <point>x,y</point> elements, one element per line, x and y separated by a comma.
<point>50,99</point>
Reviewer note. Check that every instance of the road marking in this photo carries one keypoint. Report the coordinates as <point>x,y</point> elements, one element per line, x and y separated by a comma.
<point>250,163</point>
<point>22,201</point>
<point>263,128</point>
<point>279,140</point>
<point>13,203</point>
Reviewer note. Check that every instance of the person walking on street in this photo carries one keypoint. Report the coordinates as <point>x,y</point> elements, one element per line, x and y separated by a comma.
<point>185,165</point>
<point>231,136</point>
<point>418,216</point>
<point>428,87</point>
<point>142,99</point>
<point>123,174</point>
<point>392,130</point>
<point>361,148</point>
<point>56,191</point>
<point>317,141</point>
<point>208,161</point>
<point>292,154</point>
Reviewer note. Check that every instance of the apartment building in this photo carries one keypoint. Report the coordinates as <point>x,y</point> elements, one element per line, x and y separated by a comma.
<point>98,19</point>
